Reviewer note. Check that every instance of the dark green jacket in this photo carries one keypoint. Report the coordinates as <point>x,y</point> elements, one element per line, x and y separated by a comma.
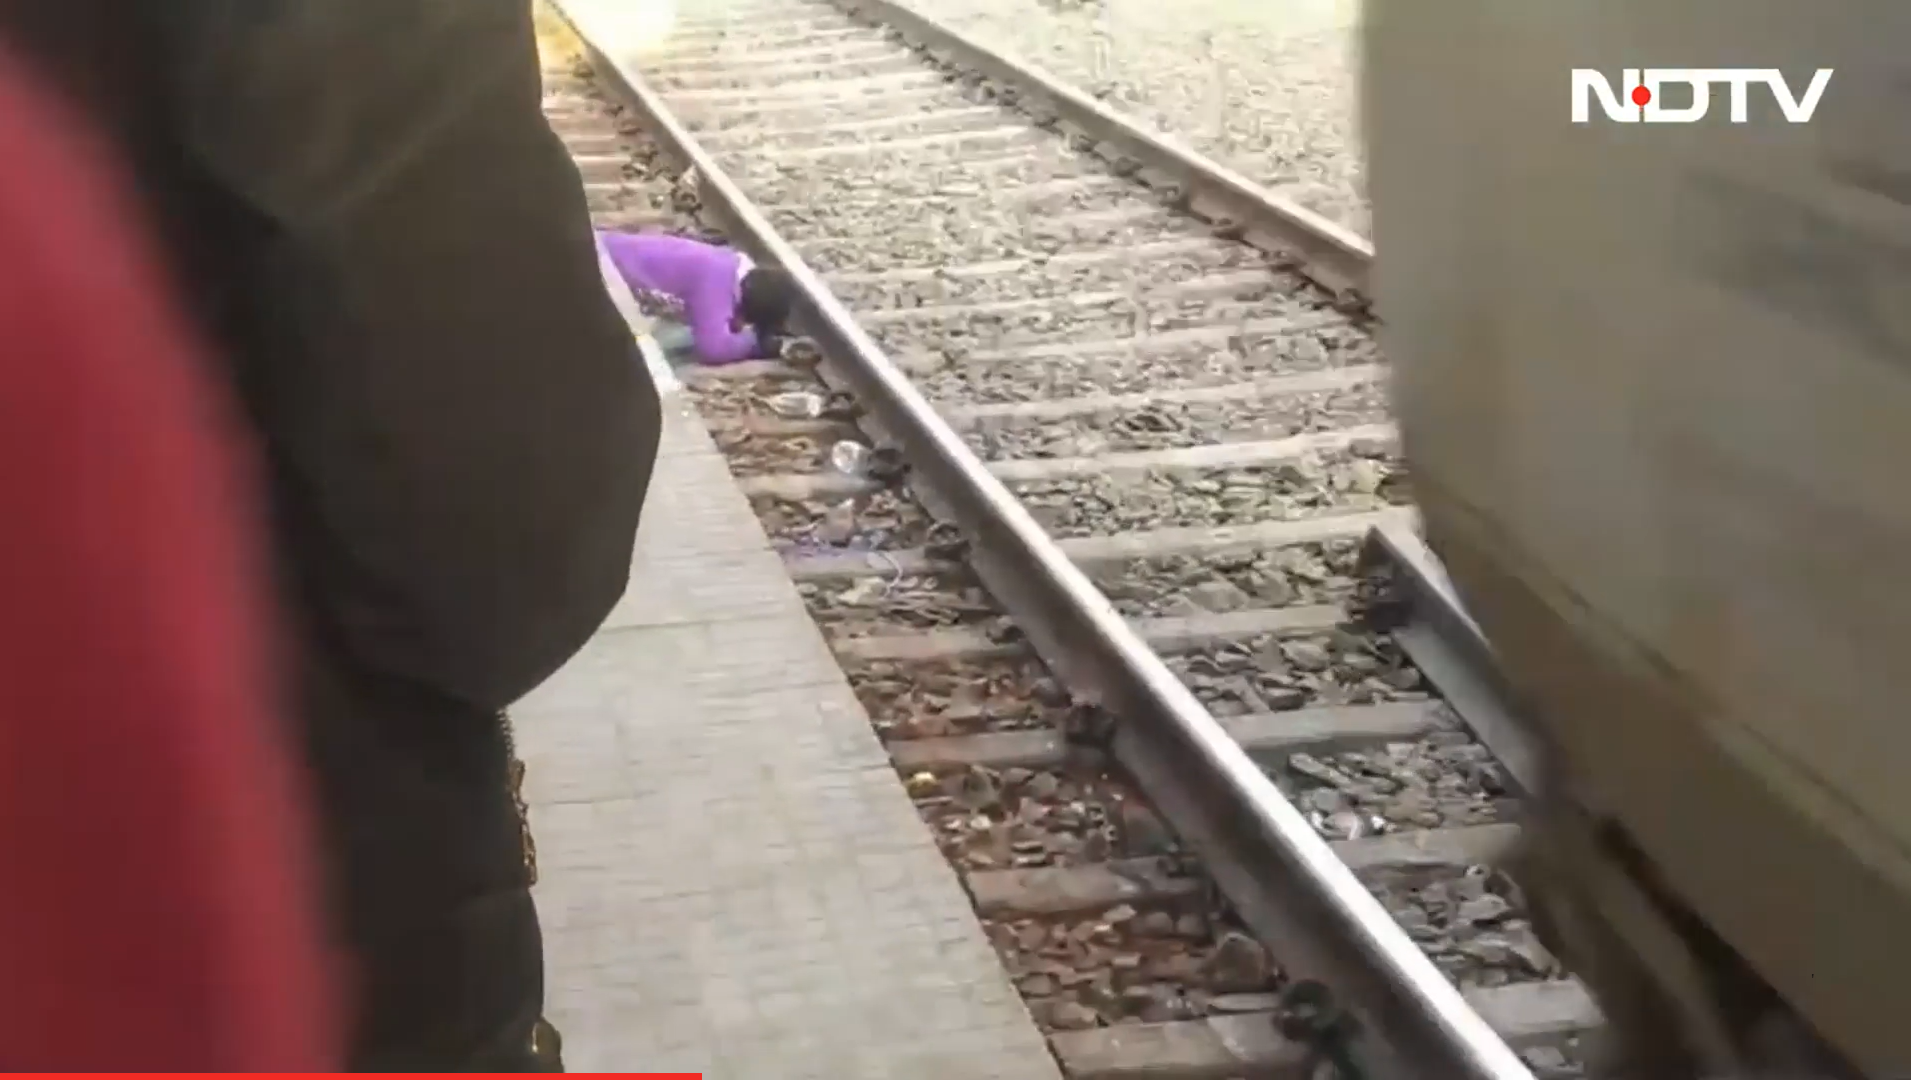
<point>373,221</point>
<point>453,404</point>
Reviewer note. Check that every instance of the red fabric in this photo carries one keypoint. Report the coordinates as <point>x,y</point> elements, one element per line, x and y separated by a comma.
<point>156,905</point>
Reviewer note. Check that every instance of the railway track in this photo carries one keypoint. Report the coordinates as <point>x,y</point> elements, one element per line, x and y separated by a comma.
<point>1093,496</point>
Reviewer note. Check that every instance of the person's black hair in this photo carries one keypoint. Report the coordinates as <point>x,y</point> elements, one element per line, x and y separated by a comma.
<point>767,297</point>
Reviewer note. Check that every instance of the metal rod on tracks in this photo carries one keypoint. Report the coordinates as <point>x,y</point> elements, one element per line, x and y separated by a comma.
<point>1454,654</point>
<point>1325,924</point>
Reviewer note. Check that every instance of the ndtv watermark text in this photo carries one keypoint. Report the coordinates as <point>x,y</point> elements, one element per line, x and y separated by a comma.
<point>1638,98</point>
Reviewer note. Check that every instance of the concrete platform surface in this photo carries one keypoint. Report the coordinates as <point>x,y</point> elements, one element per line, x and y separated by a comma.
<point>732,879</point>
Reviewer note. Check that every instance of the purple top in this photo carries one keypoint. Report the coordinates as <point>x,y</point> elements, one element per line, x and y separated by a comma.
<point>701,281</point>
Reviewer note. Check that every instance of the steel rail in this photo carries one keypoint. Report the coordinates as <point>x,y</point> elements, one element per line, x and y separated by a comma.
<point>1448,647</point>
<point>1329,254</point>
<point>1279,874</point>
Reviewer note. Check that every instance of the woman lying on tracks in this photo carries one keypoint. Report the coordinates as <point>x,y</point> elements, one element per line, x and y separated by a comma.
<point>712,301</point>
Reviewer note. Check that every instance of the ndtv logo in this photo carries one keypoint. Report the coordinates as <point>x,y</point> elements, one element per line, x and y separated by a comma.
<point>1641,101</point>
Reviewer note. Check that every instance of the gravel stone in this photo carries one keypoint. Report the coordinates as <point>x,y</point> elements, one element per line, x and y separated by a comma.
<point>1308,486</point>
<point>977,234</point>
<point>1238,965</point>
<point>1268,89</point>
<point>1443,914</point>
<point>1163,425</point>
<point>1259,675</point>
<point>1421,784</point>
<point>721,399</point>
<point>714,118</point>
<point>876,605</point>
<point>1095,318</point>
<point>1108,971</point>
<point>794,80</point>
<point>1063,1014</point>
<point>884,519</point>
<point>751,454</point>
<point>773,184</point>
<point>1322,573</point>
<point>986,819</point>
<point>1040,220</point>
<point>611,206</point>
<point>774,180</point>
<point>830,128</point>
<point>967,697</point>
<point>1130,364</point>
<point>1140,832</point>
<point>1042,276</point>
<point>1158,924</point>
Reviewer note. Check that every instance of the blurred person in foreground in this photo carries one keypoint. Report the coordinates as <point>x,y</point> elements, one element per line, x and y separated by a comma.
<point>377,225</point>
<point>160,906</point>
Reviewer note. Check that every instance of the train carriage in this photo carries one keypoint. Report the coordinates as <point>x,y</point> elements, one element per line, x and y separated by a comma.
<point>1652,384</point>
